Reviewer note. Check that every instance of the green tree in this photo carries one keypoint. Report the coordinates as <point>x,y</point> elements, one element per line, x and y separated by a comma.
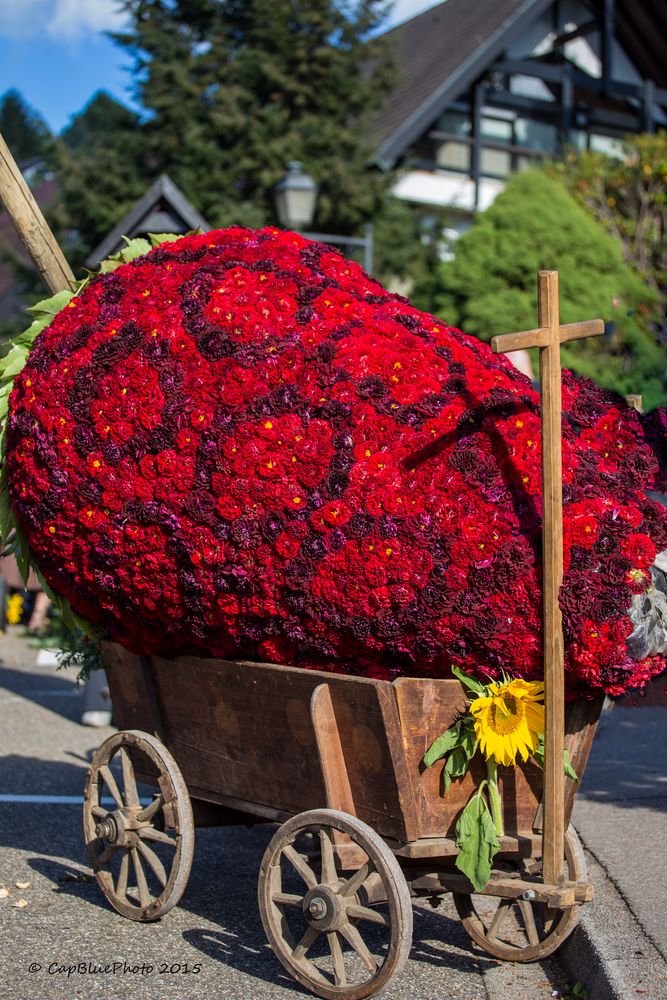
<point>101,164</point>
<point>629,197</point>
<point>489,286</point>
<point>233,91</point>
<point>407,250</point>
<point>23,129</point>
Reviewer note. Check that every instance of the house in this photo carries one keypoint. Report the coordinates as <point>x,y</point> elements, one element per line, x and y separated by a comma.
<point>162,209</point>
<point>489,87</point>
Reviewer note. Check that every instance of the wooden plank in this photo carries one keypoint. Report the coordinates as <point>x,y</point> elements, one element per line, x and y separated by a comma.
<point>126,687</point>
<point>443,847</point>
<point>152,702</point>
<point>555,896</point>
<point>31,225</point>
<point>505,343</point>
<point>553,850</point>
<point>330,751</point>
<point>427,707</point>
<point>407,783</point>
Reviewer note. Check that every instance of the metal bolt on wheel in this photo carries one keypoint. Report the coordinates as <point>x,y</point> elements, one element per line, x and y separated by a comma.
<point>339,934</point>
<point>141,853</point>
<point>522,930</point>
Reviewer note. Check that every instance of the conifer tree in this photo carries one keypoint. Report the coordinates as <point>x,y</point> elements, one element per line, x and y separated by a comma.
<point>235,89</point>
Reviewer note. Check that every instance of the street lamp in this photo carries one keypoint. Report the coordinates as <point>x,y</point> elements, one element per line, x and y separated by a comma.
<point>295,196</point>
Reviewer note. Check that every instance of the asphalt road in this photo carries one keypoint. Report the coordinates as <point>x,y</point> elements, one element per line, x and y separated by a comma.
<point>65,941</point>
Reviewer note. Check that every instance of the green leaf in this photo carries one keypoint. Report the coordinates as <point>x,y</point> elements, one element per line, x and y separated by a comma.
<point>538,757</point>
<point>157,238</point>
<point>109,265</point>
<point>7,520</point>
<point>456,766</point>
<point>469,740</point>
<point>442,745</point>
<point>567,765</point>
<point>135,248</point>
<point>22,553</point>
<point>470,683</point>
<point>477,842</point>
<point>13,362</point>
<point>52,305</point>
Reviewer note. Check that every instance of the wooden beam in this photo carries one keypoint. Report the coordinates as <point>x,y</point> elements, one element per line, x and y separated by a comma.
<point>548,336</point>
<point>476,152</point>
<point>507,342</point>
<point>553,851</point>
<point>31,225</point>
<point>607,45</point>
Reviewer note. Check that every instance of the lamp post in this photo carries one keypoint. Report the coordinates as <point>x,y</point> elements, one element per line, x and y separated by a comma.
<point>295,197</point>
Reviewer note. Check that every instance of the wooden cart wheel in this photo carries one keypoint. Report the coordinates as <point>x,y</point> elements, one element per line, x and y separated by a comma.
<point>323,924</point>
<point>141,853</point>
<point>522,930</point>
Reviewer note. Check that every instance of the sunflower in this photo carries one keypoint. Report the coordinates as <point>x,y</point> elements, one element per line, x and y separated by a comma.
<point>509,719</point>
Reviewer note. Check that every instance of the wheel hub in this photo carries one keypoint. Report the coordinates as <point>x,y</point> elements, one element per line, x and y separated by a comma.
<point>107,830</point>
<point>322,908</point>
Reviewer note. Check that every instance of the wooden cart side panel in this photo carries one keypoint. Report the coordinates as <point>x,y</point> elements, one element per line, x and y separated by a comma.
<point>427,707</point>
<point>130,699</point>
<point>244,731</point>
<point>581,722</point>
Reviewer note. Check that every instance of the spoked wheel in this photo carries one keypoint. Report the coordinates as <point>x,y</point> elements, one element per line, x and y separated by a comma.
<point>522,930</point>
<point>340,934</point>
<point>141,853</point>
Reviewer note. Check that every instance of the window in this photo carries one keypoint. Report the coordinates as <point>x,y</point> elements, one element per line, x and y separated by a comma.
<point>495,162</point>
<point>451,155</point>
<point>536,135</point>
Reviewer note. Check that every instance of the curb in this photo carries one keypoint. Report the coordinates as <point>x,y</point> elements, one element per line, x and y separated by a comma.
<point>609,953</point>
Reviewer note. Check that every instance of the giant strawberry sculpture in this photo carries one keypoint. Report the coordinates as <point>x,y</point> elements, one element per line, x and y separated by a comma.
<point>242,445</point>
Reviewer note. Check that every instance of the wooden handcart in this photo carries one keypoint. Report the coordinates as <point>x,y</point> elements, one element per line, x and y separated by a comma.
<point>336,761</point>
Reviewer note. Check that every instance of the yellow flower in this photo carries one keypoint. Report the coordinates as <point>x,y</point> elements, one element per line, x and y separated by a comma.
<point>509,720</point>
<point>14,609</point>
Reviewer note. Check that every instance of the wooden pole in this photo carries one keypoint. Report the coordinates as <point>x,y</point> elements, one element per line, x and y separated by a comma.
<point>548,337</point>
<point>553,847</point>
<point>31,225</point>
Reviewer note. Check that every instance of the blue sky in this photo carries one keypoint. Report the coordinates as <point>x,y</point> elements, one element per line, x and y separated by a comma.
<point>56,54</point>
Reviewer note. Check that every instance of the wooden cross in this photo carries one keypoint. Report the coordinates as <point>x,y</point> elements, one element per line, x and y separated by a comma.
<point>548,337</point>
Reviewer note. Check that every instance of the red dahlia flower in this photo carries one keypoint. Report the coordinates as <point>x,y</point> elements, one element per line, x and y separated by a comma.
<point>241,445</point>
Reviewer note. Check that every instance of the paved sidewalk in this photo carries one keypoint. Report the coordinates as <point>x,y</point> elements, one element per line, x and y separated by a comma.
<point>621,816</point>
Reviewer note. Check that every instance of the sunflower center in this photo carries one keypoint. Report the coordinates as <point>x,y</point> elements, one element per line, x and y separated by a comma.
<point>507,714</point>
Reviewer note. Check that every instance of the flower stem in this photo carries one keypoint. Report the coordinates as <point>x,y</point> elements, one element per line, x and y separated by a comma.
<point>494,796</point>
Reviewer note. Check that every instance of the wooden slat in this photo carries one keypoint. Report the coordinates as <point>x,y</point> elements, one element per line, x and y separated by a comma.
<point>330,751</point>
<point>31,225</point>
<point>443,847</point>
<point>505,343</point>
<point>555,896</point>
<point>581,722</point>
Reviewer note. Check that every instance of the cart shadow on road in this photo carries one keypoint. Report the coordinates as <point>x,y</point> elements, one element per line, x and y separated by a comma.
<point>220,901</point>
<point>628,762</point>
<point>50,690</point>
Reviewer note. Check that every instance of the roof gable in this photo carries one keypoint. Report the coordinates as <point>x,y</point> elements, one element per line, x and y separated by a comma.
<point>438,55</point>
<point>163,208</point>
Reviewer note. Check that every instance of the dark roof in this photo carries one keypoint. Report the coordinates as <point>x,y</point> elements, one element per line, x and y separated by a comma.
<point>162,209</point>
<point>438,55</point>
<point>640,29</point>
